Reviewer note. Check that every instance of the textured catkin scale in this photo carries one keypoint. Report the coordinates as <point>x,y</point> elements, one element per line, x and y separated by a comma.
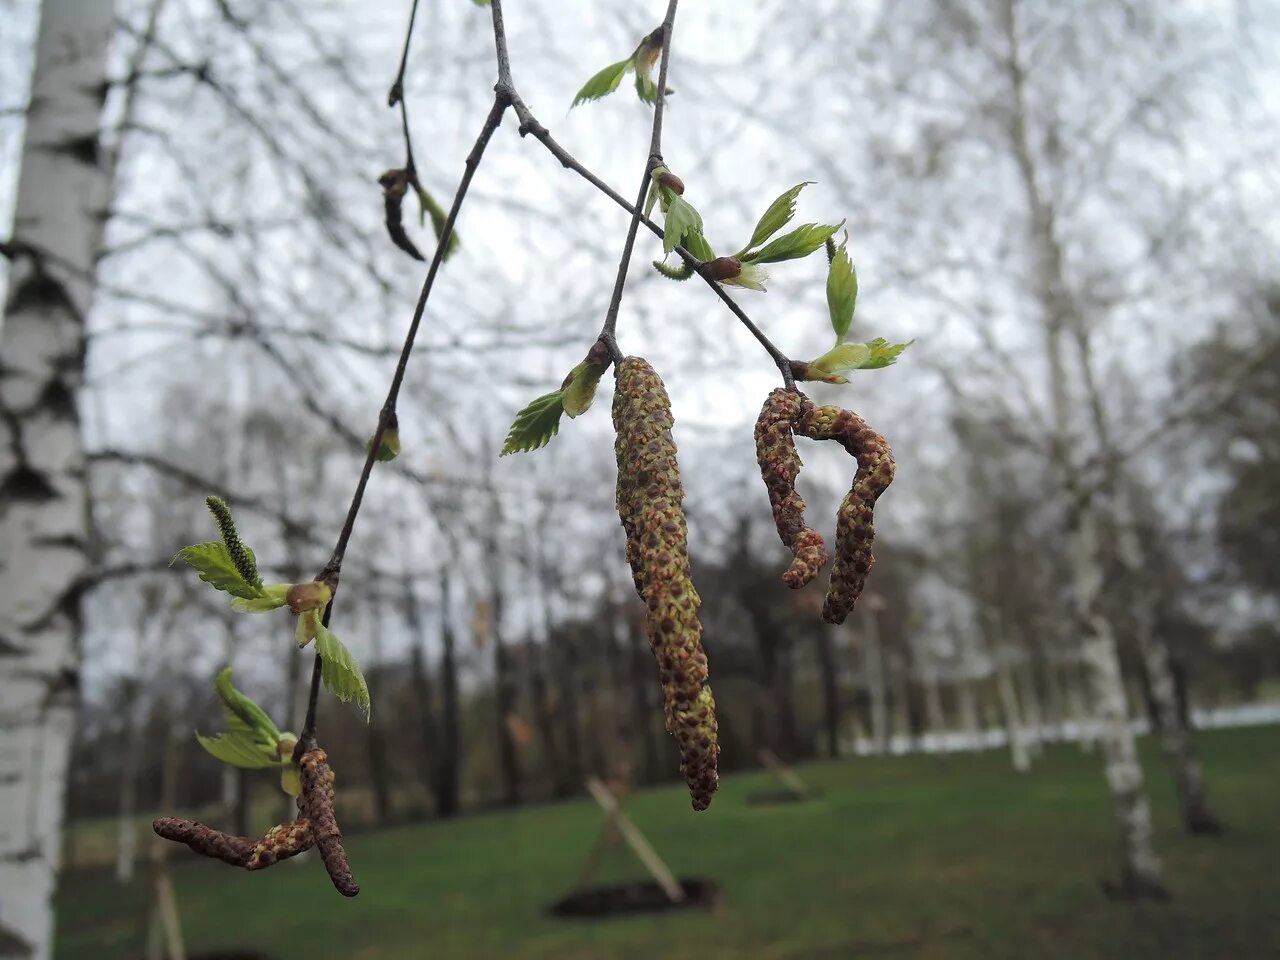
<point>779,467</point>
<point>854,530</point>
<point>649,504</point>
<point>281,842</point>
<point>316,804</point>
<point>205,840</point>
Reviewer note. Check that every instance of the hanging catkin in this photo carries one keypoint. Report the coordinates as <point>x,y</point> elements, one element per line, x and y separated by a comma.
<point>317,803</point>
<point>779,466</point>
<point>649,505</point>
<point>854,530</point>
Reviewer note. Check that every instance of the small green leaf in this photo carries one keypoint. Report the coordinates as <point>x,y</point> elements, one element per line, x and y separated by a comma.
<point>580,387</point>
<point>478,3</point>
<point>682,220</point>
<point>291,781</point>
<point>603,83</point>
<point>777,216</point>
<point>427,205</point>
<point>213,562</point>
<point>273,595</point>
<point>242,714</point>
<point>696,244</point>
<point>800,242</point>
<point>646,87</point>
<point>652,198</point>
<point>535,425</point>
<point>842,292</point>
<point>341,675</point>
<point>859,356</point>
<point>238,749</point>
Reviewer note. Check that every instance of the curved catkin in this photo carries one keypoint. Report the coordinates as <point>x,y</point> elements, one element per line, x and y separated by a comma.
<point>280,842</point>
<point>649,505</point>
<point>779,466</point>
<point>854,530</point>
<point>316,803</point>
<point>205,840</point>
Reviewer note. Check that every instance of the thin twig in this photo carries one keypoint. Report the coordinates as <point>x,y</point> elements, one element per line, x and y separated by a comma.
<point>396,94</point>
<point>529,124</point>
<point>654,159</point>
<point>332,570</point>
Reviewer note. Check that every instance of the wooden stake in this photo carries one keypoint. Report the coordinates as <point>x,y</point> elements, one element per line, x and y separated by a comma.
<point>647,856</point>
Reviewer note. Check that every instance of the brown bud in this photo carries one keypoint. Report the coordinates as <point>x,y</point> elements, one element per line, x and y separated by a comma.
<point>316,805</point>
<point>780,466</point>
<point>671,182</point>
<point>309,595</point>
<point>649,504</point>
<point>854,530</point>
<point>722,268</point>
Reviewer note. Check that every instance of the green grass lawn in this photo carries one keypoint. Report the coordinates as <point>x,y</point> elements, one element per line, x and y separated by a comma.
<point>914,857</point>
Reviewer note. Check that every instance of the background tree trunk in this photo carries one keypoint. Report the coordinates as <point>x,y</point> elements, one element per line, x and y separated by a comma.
<point>63,190</point>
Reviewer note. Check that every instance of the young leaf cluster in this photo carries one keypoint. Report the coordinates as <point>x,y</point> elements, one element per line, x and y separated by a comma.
<point>641,61</point>
<point>539,422</point>
<point>842,300</point>
<point>252,740</point>
<point>229,565</point>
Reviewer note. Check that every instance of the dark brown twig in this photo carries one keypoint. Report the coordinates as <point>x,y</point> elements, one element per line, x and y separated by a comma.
<point>654,159</point>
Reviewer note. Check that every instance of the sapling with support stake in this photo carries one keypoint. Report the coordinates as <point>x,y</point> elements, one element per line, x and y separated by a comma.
<point>649,490</point>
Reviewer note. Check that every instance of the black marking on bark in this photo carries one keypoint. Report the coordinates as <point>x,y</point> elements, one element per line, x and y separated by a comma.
<point>25,484</point>
<point>10,649</point>
<point>12,944</point>
<point>7,779</point>
<point>40,291</point>
<point>84,148</point>
<point>67,541</point>
<point>58,399</point>
<point>25,855</point>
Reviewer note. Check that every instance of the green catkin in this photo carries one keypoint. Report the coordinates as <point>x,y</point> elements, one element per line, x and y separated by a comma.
<point>680,271</point>
<point>649,501</point>
<point>779,467</point>
<point>854,530</point>
<point>240,554</point>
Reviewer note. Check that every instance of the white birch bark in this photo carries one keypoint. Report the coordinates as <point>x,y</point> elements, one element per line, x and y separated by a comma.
<point>44,520</point>
<point>1032,714</point>
<point>1009,707</point>
<point>1141,873</point>
<point>1175,738</point>
<point>877,681</point>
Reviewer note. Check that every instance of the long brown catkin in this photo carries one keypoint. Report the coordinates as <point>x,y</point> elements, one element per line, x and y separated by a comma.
<point>649,499</point>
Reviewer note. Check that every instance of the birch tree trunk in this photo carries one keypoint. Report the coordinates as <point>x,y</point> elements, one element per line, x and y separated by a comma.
<point>1141,873</point>
<point>63,189</point>
<point>1018,752</point>
<point>1175,737</point>
<point>876,680</point>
